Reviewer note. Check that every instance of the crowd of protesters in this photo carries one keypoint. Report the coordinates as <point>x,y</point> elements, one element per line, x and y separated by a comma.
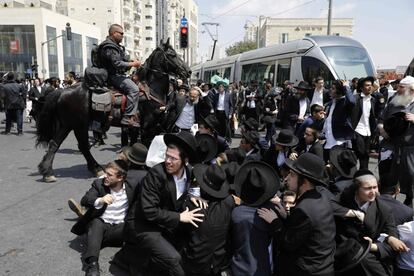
<point>297,200</point>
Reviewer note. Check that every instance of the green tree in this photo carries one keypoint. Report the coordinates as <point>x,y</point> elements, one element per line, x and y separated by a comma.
<point>240,47</point>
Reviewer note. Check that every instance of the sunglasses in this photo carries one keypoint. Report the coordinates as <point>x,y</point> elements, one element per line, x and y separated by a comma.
<point>121,33</point>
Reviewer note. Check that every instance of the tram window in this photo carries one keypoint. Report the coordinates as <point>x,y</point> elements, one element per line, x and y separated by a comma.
<point>249,72</point>
<point>283,71</point>
<point>313,68</point>
<point>226,73</point>
<point>266,70</point>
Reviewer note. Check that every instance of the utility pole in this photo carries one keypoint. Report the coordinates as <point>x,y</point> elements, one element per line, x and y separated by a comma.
<point>214,38</point>
<point>258,31</point>
<point>329,17</point>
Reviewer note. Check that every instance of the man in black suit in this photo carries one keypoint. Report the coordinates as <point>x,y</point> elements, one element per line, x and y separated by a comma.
<point>223,108</point>
<point>310,143</point>
<point>378,225</point>
<point>364,121</point>
<point>389,189</point>
<point>252,101</point>
<point>338,126</point>
<point>183,113</point>
<point>108,200</point>
<point>159,214</point>
<point>35,94</point>
<point>298,107</point>
<point>319,95</point>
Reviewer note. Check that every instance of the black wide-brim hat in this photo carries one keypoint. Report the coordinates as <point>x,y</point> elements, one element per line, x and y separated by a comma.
<point>349,253</point>
<point>137,153</point>
<point>211,122</point>
<point>286,138</point>
<point>252,137</point>
<point>212,180</point>
<point>256,183</point>
<point>185,140</point>
<point>207,147</point>
<point>309,165</point>
<point>395,124</point>
<point>303,85</point>
<point>344,160</point>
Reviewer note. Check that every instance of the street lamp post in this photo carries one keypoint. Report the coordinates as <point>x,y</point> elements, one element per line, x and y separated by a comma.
<point>258,30</point>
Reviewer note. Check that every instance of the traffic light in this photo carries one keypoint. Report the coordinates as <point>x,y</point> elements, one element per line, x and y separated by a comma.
<point>34,67</point>
<point>184,37</point>
<point>68,32</point>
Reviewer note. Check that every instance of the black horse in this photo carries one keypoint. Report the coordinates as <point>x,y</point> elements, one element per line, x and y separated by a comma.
<point>68,109</point>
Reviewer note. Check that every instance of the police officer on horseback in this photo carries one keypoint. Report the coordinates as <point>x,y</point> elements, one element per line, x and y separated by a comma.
<point>113,58</point>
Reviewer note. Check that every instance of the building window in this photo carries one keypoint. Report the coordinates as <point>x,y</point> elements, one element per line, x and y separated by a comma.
<point>148,6</point>
<point>148,17</point>
<point>72,53</point>
<point>285,37</point>
<point>109,10</point>
<point>90,41</point>
<point>148,28</point>
<point>148,38</point>
<point>337,34</point>
<point>308,34</point>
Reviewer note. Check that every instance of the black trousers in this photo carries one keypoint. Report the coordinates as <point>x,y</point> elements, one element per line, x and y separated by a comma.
<point>161,253</point>
<point>361,146</point>
<point>101,234</point>
<point>224,129</point>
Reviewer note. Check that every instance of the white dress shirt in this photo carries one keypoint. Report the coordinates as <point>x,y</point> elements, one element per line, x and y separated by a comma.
<point>251,103</point>
<point>327,129</point>
<point>187,117</point>
<point>281,158</point>
<point>405,260</point>
<point>220,104</point>
<point>363,124</point>
<point>180,184</point>
<point>317,97</point>
<point>302,108</point>
<point>115,212</point>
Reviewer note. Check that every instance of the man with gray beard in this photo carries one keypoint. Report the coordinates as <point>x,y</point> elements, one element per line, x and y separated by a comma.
<point>398,126</point>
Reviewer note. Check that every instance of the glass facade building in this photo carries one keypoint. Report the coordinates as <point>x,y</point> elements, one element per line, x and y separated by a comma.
<point>72,53</point>
<point>52,52</point>
<point>17,48</point>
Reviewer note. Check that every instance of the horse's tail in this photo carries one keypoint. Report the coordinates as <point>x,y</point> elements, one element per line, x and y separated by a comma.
<point>48,120</point>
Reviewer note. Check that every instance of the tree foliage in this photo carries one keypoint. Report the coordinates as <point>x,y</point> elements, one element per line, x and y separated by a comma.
<point>240,47</point>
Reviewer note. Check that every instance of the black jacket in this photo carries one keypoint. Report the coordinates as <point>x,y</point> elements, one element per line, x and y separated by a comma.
<point>307,237</point>
<point>175,109</point>
<point>113,57</point>
<point>98,189</point>
<point>326,97</point>
<point>402,213</point>
<point>292,111</point>
<point>207,251</point>
<point>15,95</point>
<point>357,113</point>
<point>316,148</point>
<point>158,209</point>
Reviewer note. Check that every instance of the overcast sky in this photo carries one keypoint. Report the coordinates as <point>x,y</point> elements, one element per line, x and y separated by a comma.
<point>384,27</point>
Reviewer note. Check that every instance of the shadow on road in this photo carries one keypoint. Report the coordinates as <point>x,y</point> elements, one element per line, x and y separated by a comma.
<point>77,172</point>
<point>78,244</point>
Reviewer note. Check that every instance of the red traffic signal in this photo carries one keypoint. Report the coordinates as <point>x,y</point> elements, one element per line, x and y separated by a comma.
<point>183,37</point>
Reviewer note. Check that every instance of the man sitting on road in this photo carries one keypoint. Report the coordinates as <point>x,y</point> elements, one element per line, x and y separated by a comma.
<point>107,201</point>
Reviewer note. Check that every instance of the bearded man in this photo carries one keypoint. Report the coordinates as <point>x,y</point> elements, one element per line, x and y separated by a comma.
<point>398,125</point>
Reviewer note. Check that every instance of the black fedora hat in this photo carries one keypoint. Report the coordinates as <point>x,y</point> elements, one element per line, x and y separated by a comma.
<point>207,147</point>
<point>395,124</point>
<point>256,183</point>
<point>137,153</point>
<point>251,124</point>
<point>211,122</point>
<point>344,160</point>
<point>212,180</point>
<point>252,137</point>
<point>185,140</point>
<point>310,166</point>
<point>349,253</point>
<point>231,170</point>
<point>286,138</point>
<point>303,85</point>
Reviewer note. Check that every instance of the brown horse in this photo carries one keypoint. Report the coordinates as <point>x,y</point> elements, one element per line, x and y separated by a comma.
<point>62,111</point>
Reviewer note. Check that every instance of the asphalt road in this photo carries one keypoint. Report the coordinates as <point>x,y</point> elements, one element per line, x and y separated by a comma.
<point>35,237</point>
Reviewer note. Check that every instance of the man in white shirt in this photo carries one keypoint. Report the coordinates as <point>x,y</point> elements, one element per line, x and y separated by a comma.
<point>364,122</point>
<point>107,202</point>
<point>319,95</point>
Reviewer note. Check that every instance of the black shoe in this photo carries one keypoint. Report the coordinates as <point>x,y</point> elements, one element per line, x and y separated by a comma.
<point>92,269</point>
<point>20,134</point>
<point>5,133</point>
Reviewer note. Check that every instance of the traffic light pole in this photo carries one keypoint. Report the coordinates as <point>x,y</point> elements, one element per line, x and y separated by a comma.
<point>43,56</point>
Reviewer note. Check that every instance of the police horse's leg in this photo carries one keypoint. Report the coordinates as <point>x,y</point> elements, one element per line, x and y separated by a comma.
<point>46,166</point>
<point>81,135</point>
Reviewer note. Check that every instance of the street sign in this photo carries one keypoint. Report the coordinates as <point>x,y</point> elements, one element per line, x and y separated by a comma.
<point>184,22</point>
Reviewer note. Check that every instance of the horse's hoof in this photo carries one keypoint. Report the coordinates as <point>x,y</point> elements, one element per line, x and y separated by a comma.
<point>49,179</point>
<point>100,173</point>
